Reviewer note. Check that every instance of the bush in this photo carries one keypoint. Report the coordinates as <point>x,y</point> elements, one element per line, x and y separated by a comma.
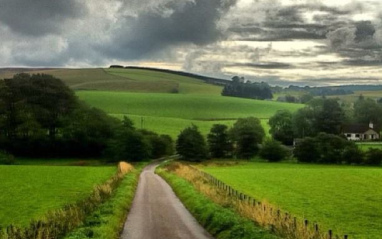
<point>191,144</point>
<point>353,155</point>
<point>373,157</point>
<point>331,148</point>
<point>327,148</point>
<point>307,151</point>
<point>6,158</point>
<point>273,151</point>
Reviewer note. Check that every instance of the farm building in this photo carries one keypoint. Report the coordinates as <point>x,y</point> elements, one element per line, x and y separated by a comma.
<point>359,132</point>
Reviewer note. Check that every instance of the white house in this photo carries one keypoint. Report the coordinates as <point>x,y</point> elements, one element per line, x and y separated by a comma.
<point>359,132</point>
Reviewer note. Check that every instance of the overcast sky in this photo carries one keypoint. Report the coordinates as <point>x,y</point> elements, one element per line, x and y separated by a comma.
<point>312,42</point>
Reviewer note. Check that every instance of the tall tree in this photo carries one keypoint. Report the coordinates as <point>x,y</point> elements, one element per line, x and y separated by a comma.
<point>366,111</point>
<point>191,145</point>
<point>330,118</point>
<point>247,133</point>
<point>219,143</point>
<point>282,127</point>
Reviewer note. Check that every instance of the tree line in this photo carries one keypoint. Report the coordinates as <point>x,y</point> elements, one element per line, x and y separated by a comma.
<point>41,117</point>
<point>239,88</point>
<point>242,140</point>
<point>318,128</point>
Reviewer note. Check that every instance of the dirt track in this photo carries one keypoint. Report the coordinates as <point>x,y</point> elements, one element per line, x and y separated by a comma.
<point>157,213</point>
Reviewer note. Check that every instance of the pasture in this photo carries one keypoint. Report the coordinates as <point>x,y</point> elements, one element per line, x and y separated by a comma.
<point>369,145</point>
<point>129,80</point>
<point>28,192</point>
<point>342,198</point>
<point>170,113</point>
<point>167,82</point>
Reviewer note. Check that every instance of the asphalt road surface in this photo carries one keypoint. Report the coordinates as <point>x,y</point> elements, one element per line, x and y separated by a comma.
<point>157,213</point>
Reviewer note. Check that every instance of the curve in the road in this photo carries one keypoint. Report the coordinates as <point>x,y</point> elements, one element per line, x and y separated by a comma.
<point>157,213</point>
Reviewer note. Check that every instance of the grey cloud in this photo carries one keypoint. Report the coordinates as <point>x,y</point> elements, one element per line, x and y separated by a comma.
<point>364,31</point>
<point>150,32</point>
<point>360,62</point>
<point>264,65</point>
<point>39,17</point>
<point>341,37</point>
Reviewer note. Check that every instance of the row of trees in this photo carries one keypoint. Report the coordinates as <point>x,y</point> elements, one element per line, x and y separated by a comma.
<point>242,141</point>
<point>322,115</point>
<point>239,88</point>
<point>328,148</point>
<point>41,117</point>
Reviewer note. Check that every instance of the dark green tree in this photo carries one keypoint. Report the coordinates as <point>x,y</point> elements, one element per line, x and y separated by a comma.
<point>330,117</point>
<point>273,150</point>
<point>128,145</point>
<point>353,155</point>
<point>247,134</point>
<point>306,98</point>
<point>190,144</point>
<point>161,145</point>
<point>303,123</point>
<point>373,157</point>
<point>366,111</point>
<point>282,127</point>
<point>219,143</point>
<point>307,151</point>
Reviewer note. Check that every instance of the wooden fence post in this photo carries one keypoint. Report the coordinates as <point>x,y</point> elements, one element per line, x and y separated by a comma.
<point>330,234</point>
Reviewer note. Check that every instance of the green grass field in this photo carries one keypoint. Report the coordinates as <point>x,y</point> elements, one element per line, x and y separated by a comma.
<point>28,192</point>
<point>129,80</point>
<point>371,145</point>
<point>170,113</point>
<point>167,81</point>
<point>343,198</point>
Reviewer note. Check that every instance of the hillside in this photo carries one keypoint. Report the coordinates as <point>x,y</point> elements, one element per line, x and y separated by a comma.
<point>130,80</point>
<point>164,102</point>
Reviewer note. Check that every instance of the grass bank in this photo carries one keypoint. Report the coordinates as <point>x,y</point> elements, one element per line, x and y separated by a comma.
<point>29,192</point>
<point>107,221</point>
<point>220,220</point>
<point>57,223</point>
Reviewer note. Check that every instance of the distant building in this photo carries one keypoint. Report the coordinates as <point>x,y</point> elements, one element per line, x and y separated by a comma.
<point>360,132</point>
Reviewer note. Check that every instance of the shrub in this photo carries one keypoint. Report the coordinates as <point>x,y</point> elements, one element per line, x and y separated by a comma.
<point>353,155</point>
<point>191,144</point>
<point>331,148</point>
<point>6,158</point>
<point>373,157</point>
<point>306,150</point>
<point>273,151</point>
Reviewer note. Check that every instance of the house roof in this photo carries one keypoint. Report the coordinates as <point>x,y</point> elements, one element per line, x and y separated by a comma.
<point>358,128</point>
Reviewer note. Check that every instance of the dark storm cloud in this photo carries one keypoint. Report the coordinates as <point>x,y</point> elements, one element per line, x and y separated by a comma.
<point>150,32</point>
<point>288,23</point>
<point>342,80</point>
<point>38,17</point>
<point>264,65</point>
<point>356,41</point>
<point>364,31</point>
<point>360,62</point>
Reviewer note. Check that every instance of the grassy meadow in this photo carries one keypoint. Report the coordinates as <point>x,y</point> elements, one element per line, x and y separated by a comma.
<point>342,198</point>
<point>28,192</point>
<point>369,145</point>
<point>170,113</point>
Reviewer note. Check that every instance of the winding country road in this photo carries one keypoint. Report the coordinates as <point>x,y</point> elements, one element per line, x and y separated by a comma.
<point>157,213</point>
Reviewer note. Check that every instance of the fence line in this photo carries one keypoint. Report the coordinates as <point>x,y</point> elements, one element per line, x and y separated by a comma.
<point>237,195</point>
